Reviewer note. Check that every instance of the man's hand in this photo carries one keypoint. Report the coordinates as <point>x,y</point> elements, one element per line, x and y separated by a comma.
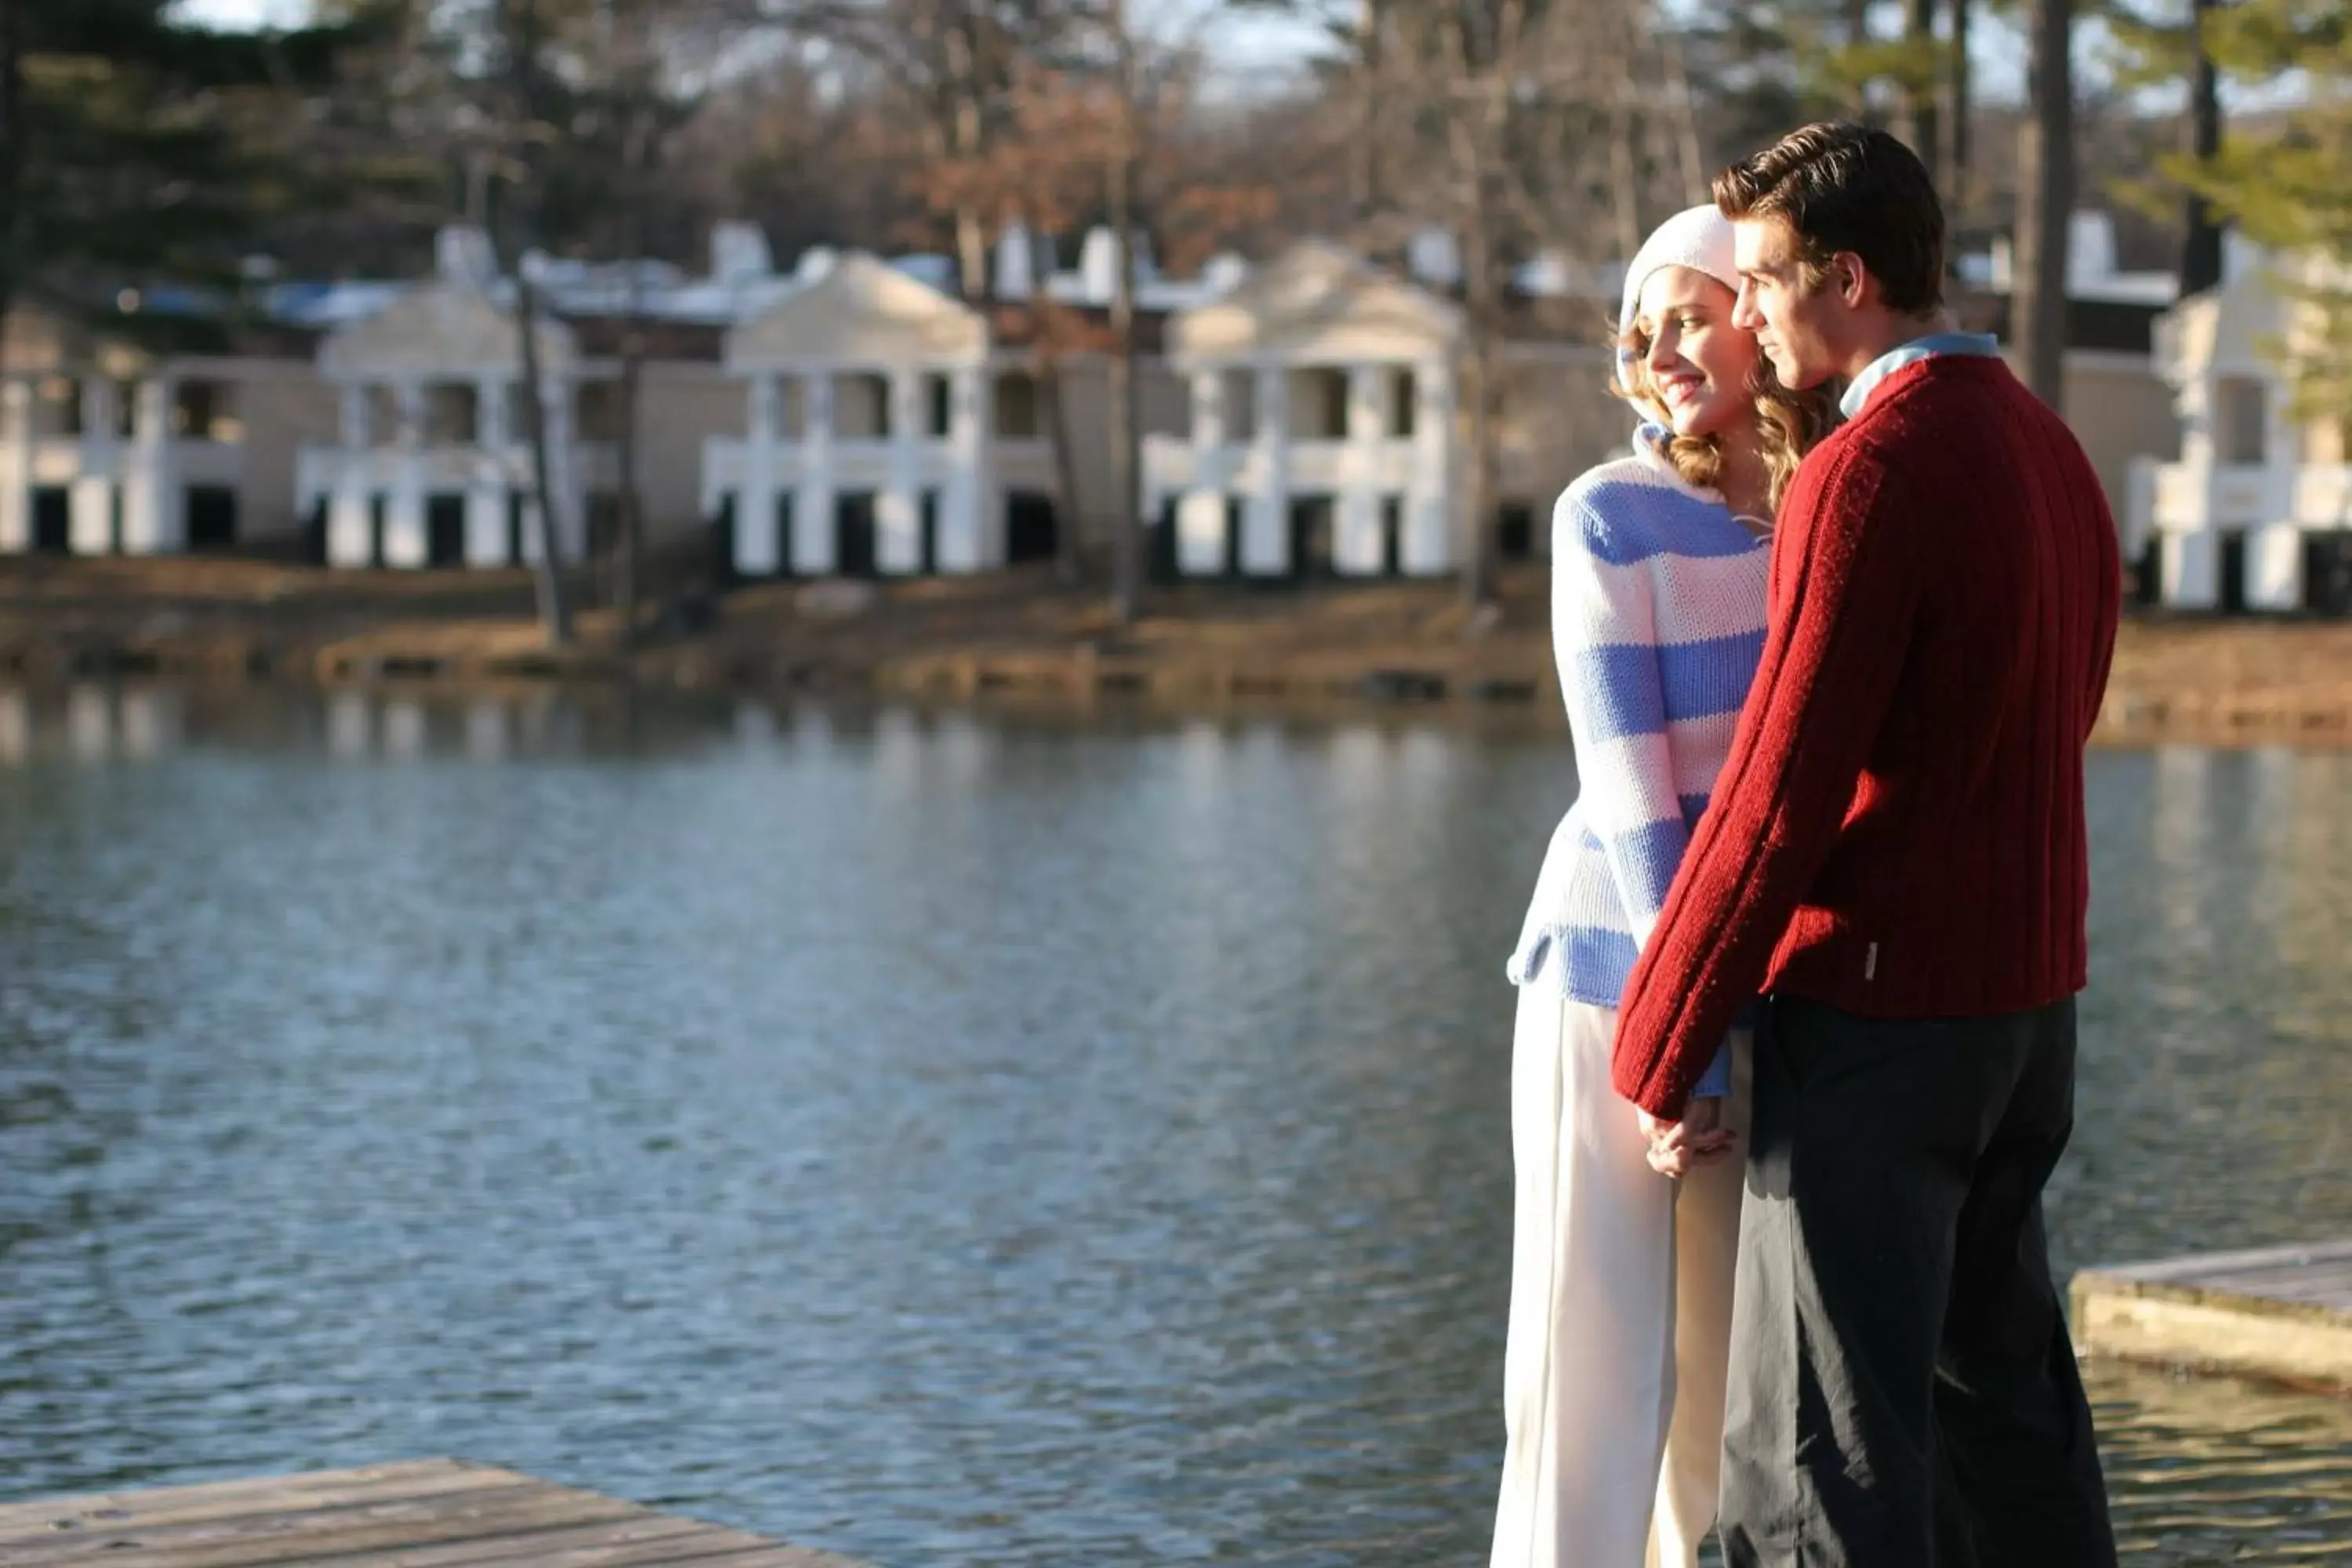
<point>1678,1148</point>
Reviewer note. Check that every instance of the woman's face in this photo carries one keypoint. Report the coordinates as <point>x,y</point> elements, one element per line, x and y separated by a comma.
<point>1699,363</point>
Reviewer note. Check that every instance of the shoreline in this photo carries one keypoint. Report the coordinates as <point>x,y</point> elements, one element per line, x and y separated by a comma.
<point>1014,636</point>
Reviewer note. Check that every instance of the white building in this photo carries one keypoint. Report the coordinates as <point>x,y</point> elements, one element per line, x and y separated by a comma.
<point>2254,514</point>
<point>867,434</point>
<point>105,450</point>
<point>1321,438</point>
<point>430,466</point>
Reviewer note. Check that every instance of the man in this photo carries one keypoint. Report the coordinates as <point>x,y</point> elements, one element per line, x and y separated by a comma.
<point>1895,855</point>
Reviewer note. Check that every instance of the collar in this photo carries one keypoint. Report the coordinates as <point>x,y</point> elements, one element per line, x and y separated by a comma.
<point>1650,442</point>
<point>1857,394</point>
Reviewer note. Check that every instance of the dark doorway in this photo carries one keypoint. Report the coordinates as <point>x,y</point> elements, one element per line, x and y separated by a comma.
<point>375,528</point>
<point>314,534</point>
<point>927,558</point>
<point>1161,562</point>
<point>212,516</point>
<point>514,528</point>
<point>2148,586</point>
<point>1032,529</point>
<point>723,539</point>
<point>114,520</point>
<point>1310,537</point>
<point>1392,536</point>
<point>785,534</point>
<point>2327,572</point>
<point>1515,530</point>
<point>853,533</point>
<point>2230,596</point>
<point>444,530</point>
<point>52,521</point>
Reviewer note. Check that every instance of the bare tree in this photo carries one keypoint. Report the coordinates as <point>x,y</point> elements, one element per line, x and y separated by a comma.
<point>1511,126</point>
<point>2045,200</point>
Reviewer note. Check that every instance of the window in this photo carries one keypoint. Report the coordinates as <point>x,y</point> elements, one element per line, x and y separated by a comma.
<point>939,405</point>
<point>204,411</point>
<point>1318,410</point>
<point>1241,405</point>
<point>861,407</point>
<point>2241,419</point>
<point>452,415</point>
<point>1167,404</point>
<point>1020,410</point>
<point>596,411</point>
<point>1404,394</point>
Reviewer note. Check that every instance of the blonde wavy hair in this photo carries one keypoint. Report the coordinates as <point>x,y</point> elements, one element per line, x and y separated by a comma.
<point>1788,423</point>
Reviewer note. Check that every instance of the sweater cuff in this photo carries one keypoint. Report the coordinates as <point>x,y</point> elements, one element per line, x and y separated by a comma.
<point>1716,1082</point>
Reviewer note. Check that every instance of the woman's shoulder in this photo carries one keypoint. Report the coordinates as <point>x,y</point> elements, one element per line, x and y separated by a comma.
<point>1628,509</point>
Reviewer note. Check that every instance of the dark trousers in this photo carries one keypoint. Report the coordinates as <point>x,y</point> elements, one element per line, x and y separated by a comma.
<point>1903,1391</point>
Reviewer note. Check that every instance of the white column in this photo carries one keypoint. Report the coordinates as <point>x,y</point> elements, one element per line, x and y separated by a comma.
<point>2191,575</point>
<point>92,494</point>
<point>2274,567</point>
<point>153,507</point>
<point>349,541</point>
<point>897,511</point>
<point>758,546</point>
<point>15,466</point>
<point>404,541</point>
<point>1266,520</point>
<point>1357,551</point>
<point>1427,548</point>
<point>967,543</point>
<point>813,502</point>
<point>486,540</point>
<point>1201,520</point>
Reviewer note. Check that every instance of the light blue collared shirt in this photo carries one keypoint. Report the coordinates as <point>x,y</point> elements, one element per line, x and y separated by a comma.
<point>1912,353</point>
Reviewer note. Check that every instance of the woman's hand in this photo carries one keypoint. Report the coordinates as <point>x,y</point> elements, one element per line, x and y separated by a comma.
<point>1699,1139</point>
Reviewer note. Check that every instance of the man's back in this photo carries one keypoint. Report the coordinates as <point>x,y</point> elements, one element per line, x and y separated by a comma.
<point>1959,880</point>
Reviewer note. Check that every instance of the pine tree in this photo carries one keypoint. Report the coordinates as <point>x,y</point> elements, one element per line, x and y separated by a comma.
<point>2289,186</point>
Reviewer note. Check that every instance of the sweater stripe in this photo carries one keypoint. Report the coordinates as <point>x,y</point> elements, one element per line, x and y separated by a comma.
<point>1658,624</point>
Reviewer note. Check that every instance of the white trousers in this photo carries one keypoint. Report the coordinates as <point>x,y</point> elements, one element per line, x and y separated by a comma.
<point>1621,1312</point>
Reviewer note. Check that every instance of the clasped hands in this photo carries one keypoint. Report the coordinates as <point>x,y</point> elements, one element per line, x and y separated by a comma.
<point>1699,1139</point>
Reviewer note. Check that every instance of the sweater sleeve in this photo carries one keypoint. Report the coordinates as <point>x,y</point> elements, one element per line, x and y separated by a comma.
<point>1846,572</point>
<point>1605,638</point>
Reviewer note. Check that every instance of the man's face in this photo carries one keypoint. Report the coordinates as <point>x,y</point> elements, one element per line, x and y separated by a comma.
<point>1794,326</point>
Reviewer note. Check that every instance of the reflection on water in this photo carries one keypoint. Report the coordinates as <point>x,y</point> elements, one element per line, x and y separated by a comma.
<point>950,1139</point>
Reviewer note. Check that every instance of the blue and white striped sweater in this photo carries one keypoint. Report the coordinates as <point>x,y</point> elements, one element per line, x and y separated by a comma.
<point>1658,625</point>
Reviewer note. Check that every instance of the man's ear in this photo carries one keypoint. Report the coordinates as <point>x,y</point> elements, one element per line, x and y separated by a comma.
<point>1850,279</point>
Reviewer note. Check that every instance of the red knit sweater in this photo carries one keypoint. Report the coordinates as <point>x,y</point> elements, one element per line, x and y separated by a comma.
<point>1898,829</point>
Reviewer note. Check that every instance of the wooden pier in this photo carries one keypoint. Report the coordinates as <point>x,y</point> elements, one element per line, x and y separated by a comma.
<point>2280,1313</point>
<point>433,1513</point>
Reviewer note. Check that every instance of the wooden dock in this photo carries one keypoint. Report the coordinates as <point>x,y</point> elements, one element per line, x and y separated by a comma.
<point>2279,1312</point>
<point>433,1513</point>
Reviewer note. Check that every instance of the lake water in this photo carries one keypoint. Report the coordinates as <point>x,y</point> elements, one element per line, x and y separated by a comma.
<point>953,1139</point>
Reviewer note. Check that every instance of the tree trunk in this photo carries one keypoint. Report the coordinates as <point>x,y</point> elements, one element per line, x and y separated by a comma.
<point>1919,124</point>
<point>1857,34</point>
<point>2045,201</point>
<point>554,612</point>
<point>1952,173</point>
<point>12,158</point>
<point>1688,149</point>
<point>1483,298</point>
<point>2200,241</point>
<point>629,509</point>
<point>971,225</point>
<point>1126,421</point>
<point>1066,472</point>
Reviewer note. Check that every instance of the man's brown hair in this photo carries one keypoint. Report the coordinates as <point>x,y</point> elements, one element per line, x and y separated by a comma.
<point>1848,187</point>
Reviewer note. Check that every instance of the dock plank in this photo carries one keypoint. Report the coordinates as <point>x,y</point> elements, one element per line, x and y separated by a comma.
<point>438,1513</point>
<point>265,1494</point>
<point>2277,1312</point>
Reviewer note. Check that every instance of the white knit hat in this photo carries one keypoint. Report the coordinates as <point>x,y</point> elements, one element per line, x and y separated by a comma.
<point>1698,239</point>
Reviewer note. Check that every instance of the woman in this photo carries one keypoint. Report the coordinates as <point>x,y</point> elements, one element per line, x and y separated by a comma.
<point>1621,1278</point>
